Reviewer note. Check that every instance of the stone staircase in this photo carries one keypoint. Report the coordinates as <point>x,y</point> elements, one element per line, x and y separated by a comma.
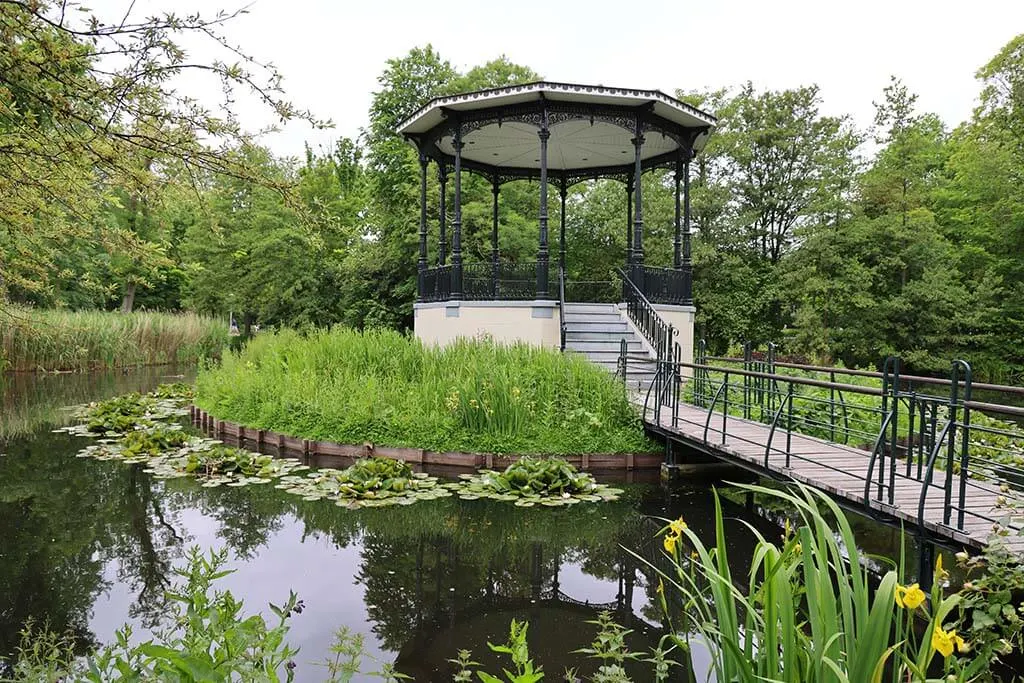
<point>596,331</point>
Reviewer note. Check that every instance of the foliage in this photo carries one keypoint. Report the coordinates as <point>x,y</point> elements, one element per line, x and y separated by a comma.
<point>991,605</point>
<point>97,127</point>
<point>369,482</point>
<point>202,636</point>
<point>60,340</point>
<point>531,481</point>
<point>383,387</point>
<point>808,611</point>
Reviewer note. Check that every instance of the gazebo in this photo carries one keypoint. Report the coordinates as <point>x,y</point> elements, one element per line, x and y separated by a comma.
<point>557,134</point>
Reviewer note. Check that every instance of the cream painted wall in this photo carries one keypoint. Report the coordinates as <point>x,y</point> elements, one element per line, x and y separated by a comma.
<point>681,318</point>
<point>533,322</point>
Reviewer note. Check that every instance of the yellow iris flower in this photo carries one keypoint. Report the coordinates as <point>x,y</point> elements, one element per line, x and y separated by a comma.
<point>670,543</point>
<point>909,597</point>
<point>944,641</point>
<point>677,526</point>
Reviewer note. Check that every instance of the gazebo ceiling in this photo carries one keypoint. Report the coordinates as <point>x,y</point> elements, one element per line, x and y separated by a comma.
<point>592,128</point>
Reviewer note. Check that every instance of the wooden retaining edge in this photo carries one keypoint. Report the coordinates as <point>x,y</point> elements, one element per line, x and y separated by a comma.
<point>222,429</point>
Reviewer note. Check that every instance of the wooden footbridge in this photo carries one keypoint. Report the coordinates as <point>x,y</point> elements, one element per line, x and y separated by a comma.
<point>914,451</point>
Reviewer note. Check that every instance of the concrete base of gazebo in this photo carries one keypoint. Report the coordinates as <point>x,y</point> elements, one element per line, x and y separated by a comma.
<point>533,322</point>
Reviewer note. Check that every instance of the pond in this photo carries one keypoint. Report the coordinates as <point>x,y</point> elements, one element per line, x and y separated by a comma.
<point>87,545</point>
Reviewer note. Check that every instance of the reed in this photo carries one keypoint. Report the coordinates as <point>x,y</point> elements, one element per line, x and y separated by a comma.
<point>807,610</point>
<point>57,340</point>
<point>389,389</point>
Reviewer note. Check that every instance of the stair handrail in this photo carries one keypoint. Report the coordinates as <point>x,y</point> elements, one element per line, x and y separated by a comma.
<point>651,326</point>
<point>561,308</point>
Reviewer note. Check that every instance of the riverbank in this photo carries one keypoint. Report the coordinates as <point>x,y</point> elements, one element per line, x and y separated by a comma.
<point>390,390</point>
<point>33,340</point>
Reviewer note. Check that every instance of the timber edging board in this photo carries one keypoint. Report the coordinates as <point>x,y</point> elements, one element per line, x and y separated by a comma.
<point>220,429</point>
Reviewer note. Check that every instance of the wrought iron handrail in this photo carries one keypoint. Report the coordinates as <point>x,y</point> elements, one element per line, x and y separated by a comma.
<point>926,482</point>
<point>436,283</point>
<point>664,285</point>
<point>654,329</point>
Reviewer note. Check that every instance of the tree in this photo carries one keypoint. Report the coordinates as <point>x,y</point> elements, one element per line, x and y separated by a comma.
<point>89,108</point>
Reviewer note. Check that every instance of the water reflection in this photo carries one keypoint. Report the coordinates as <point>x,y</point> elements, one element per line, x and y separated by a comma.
<point>86,545</point>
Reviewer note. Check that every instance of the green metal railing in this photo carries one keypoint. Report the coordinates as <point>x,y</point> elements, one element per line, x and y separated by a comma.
<point>924,432</point>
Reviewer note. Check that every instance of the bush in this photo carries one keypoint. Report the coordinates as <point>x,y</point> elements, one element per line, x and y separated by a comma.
<point>389,389</point>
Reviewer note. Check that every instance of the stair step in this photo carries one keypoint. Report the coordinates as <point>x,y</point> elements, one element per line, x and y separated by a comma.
<point>572,317</point>
<point>592,335</point>
<point>591,308</point>
<point>588,345</point>
<point>596,326</point>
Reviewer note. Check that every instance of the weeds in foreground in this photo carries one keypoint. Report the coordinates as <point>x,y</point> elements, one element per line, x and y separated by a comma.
<point>809,613</point>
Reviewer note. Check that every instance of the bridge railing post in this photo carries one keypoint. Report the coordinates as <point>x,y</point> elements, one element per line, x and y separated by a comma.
<point>789,423</point>
<point>954,397</point>
<point>965,438</point>
<point>725,404</point>
<point>748,356</point>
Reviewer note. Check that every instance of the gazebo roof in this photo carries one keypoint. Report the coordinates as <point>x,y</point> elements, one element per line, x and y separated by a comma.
<point>592,129</point>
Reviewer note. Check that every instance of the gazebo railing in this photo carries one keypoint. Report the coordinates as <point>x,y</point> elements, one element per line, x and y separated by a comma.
<point>484,282</point>
<point>436,283</point>
<point>663,285</point>
<point>506,281</point>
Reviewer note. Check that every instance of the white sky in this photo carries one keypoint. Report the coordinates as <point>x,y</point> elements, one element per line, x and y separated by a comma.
<point>331,53</point>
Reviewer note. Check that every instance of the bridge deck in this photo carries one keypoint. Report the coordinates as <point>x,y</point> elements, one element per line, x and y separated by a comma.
<point>836,469</point>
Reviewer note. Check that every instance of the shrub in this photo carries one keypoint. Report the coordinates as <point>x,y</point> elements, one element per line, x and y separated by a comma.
<point>386,388</point>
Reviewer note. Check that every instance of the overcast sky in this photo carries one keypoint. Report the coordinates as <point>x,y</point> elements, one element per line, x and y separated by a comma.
<point>331,52</point>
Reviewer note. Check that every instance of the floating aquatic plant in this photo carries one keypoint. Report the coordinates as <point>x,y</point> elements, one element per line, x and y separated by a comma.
<point>137,428</point>
<point>530,481</point>
<point>131,412</point>
<point>216,465</point>
<point>370,482</point>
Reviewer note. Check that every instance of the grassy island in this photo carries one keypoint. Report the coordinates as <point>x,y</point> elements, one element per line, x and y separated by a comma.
<point>386,388</point>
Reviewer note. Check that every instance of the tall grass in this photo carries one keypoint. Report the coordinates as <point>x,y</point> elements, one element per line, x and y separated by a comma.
<point>386,388</point>
<point>54,340</point>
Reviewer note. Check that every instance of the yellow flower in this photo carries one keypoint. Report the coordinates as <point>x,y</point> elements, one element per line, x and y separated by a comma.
<point>940,573</point>
<point>962,645</point>
<point>670,543</point>
<point>943,641</point>
<point>661,586</point>
<point>909,597</point>
<point>677,526</point>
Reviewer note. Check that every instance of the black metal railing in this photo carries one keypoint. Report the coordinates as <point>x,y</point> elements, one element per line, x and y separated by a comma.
<point>504,282</point>
<point>435,284</point>
<point>962,459</point>
<point>658,333</point>
<point>663,285</point>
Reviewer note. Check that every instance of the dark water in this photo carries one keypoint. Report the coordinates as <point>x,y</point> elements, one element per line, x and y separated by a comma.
<point>86,546</point>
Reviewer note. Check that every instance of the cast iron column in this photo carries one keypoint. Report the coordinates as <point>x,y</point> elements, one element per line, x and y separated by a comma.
<point>442,177</point>
<point>629,224</point>
<point>457,221</point>
<point>421,265</point>
<point>563,191</point>
<point>677,246</point>
<point>687,261</point>
<point>542,251</point>
<point>638,208</point>
<point>496,189</point>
